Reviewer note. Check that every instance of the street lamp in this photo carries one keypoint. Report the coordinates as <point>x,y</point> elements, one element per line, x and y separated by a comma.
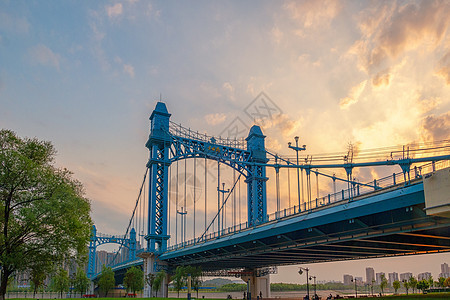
<point>297,148</point>
<point>315,293</point>
<point>356,289</point>
<point>300,271</point>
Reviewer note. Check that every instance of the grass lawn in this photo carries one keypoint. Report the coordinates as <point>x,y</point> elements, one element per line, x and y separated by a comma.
<point>433,296</point>
<point>417,296</point>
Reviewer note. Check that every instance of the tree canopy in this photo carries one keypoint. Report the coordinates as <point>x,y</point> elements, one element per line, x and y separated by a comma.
<point>134,279</point>
<point>107,280</point>
<point>44,216</point>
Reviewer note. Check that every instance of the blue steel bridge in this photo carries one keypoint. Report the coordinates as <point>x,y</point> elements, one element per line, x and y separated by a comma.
<point>311,209</point>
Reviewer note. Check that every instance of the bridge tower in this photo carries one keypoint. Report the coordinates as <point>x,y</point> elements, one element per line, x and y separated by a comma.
<point>159,143</point>
<point>256,179</point>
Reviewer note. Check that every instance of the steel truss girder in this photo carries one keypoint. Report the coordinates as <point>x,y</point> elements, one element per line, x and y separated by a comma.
<point>183,148</point>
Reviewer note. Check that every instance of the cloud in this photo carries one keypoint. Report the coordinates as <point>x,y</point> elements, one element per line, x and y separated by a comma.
<point>41,54</point>
<point>436,128</point>
<point>115,10</point>
<point>382,78</point>
<point>229,90</point>
<point>353,96</point>
<point>444,69</point>
<point>281,123</point>
<point>129,69</point>
<point>12,24</point>
<point>312,13</point>
<point>215,119</point>
<point>393,30</point>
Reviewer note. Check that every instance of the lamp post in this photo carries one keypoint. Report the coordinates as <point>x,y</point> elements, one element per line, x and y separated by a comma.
<point>182,214</point>
<point>300,271</point>
<point>356,289</point>
<point>223,191</point>
<point>315,292</point>
<point>297,148</point>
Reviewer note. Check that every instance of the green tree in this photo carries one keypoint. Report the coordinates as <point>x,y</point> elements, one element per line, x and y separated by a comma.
<point>44,217</point>
<point>159,279</point>
<point>179,279</point>
<point>431,281</point>
<point>441,281</point>
<point>81,282</point>
<point>61,281</point>
<point>413,283</point>
<point>406,285</point>
<point>107,280</point>
<point>396,285</point>
<point>134,279</point>
<point>150,279</point>
<point>423,285</point>
<point>383,283</point>
<point>38,273</point>
<point>196,277</point>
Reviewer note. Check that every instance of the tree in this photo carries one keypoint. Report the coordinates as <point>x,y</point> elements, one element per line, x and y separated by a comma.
<point>447,282</point>
<point>159,279</point>
<point>107,280</point>
<point>196,274</point>
<point>396,285</point>
<point>44,217</point>
<point>150,279</point>
<point>134,279</point>
<point>423,285</point>
<point>406,285</point>
<point>179,279</point>
<point>413,283</point>
<point>441,281</point>
<point>61,281</point>
<point>38,273</point>
<point>383,283</point>
<point>431,281</point>
<point>81,282</point>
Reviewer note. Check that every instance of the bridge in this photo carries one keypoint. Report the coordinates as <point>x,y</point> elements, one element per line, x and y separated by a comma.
<point>189,209</point>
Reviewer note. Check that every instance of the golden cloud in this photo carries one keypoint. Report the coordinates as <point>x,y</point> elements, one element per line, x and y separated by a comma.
<point>436,128</point>
<point>444,70</point>
<point>392,30</point>
<point>353,96</point>
<point>312,13</point>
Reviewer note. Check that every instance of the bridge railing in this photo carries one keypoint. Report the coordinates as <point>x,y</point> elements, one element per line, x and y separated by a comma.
<point>396,179</point>
<point>178,130</point>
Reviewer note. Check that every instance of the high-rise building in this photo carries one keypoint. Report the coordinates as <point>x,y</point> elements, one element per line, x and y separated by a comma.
<point>405,276</point>
<point>425,275</point>
<point>378,277</point>
<point>359,281</point>
<point>445,272</point>
<point>370,275</point>
<point>392,277</point>
<point>348,279</point>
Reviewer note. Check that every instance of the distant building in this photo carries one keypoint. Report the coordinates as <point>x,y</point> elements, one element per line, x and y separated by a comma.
<point>370,275</point>
<point>405,276</point>
<point>425,275</point>
<point>392,277</point>
<point>348,279</point>
<point>378,277</point>
<point>445,272</point>
<point>359,280</point>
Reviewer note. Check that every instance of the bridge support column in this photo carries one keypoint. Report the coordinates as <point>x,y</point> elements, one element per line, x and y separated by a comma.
<point>259,285</point>
<point>256,180</point>
<point>152,265</point>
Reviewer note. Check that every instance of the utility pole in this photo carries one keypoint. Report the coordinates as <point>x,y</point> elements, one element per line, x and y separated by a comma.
<point>297,148</point>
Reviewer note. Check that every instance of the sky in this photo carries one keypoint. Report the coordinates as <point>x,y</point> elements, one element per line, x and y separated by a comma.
<point>86,76</point>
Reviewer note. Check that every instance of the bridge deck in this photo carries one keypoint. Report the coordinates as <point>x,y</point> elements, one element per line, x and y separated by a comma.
<point>385,223</point>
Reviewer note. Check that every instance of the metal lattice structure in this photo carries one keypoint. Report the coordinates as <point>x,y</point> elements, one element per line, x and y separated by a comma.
<point>98,239</point>
<point>359,215</point>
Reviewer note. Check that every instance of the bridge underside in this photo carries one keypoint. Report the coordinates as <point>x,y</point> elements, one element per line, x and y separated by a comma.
<point>388,224</point>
